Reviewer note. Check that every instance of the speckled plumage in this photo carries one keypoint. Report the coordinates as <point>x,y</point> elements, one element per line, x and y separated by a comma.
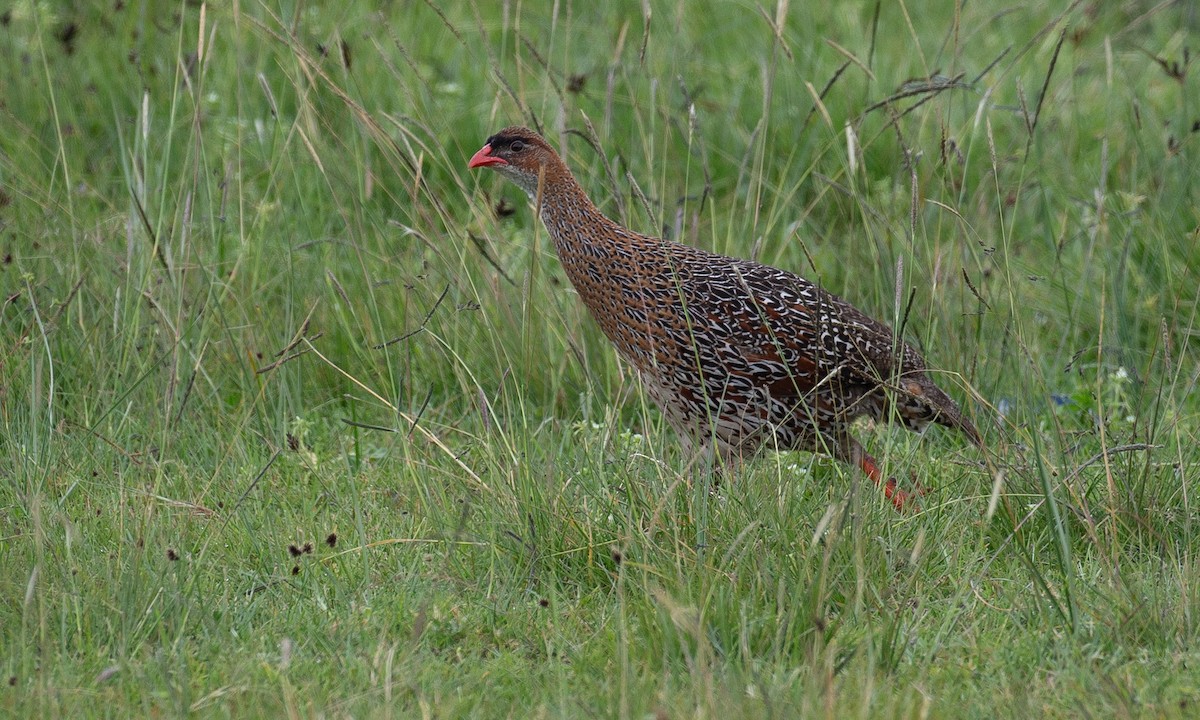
<point>737,354</point>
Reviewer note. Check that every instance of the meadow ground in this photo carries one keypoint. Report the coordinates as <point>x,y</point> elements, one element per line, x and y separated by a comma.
<point>299,417</point>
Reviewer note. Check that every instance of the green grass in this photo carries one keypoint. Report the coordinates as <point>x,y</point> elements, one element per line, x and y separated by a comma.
<point>225,491</point>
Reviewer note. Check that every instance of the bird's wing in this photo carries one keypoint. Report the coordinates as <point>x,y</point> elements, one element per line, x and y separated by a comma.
<point>788,335</point>
<point>766,325</point>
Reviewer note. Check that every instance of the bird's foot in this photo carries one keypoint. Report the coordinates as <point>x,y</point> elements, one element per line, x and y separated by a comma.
<point>904,499</point>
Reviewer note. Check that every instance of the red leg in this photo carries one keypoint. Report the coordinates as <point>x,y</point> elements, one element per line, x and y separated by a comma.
<point>901,499</point>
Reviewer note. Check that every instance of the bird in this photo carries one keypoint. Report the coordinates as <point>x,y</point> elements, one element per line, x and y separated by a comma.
<point>736,354</point>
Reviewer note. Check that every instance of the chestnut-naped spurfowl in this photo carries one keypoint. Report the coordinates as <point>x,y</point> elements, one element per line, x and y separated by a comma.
<point>738,355</point>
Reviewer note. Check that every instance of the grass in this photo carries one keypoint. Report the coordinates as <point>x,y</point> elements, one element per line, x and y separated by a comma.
<point>300,417</point>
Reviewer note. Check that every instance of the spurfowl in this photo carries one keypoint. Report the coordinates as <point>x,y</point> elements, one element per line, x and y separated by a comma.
<point>736,354</point>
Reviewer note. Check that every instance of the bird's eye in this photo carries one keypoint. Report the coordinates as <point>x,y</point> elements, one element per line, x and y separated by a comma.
<point>516,146</point>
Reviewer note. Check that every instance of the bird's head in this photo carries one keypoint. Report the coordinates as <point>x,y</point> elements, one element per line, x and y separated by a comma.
<point>519,154</point>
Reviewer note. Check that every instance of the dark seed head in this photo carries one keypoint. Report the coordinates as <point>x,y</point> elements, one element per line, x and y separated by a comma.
<point>295,569</point>
<point>172,555</point>
<point>544,602</point>
<point>308,548</point>
<point>294,551</point>
<point>331,539</point>
<point>66,35</point>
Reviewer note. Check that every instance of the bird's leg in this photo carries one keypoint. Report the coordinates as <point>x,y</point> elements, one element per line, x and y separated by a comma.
<point>723,461</point>
<point>704,462</point>
<point>852,452</point>
<point>901,499</point>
